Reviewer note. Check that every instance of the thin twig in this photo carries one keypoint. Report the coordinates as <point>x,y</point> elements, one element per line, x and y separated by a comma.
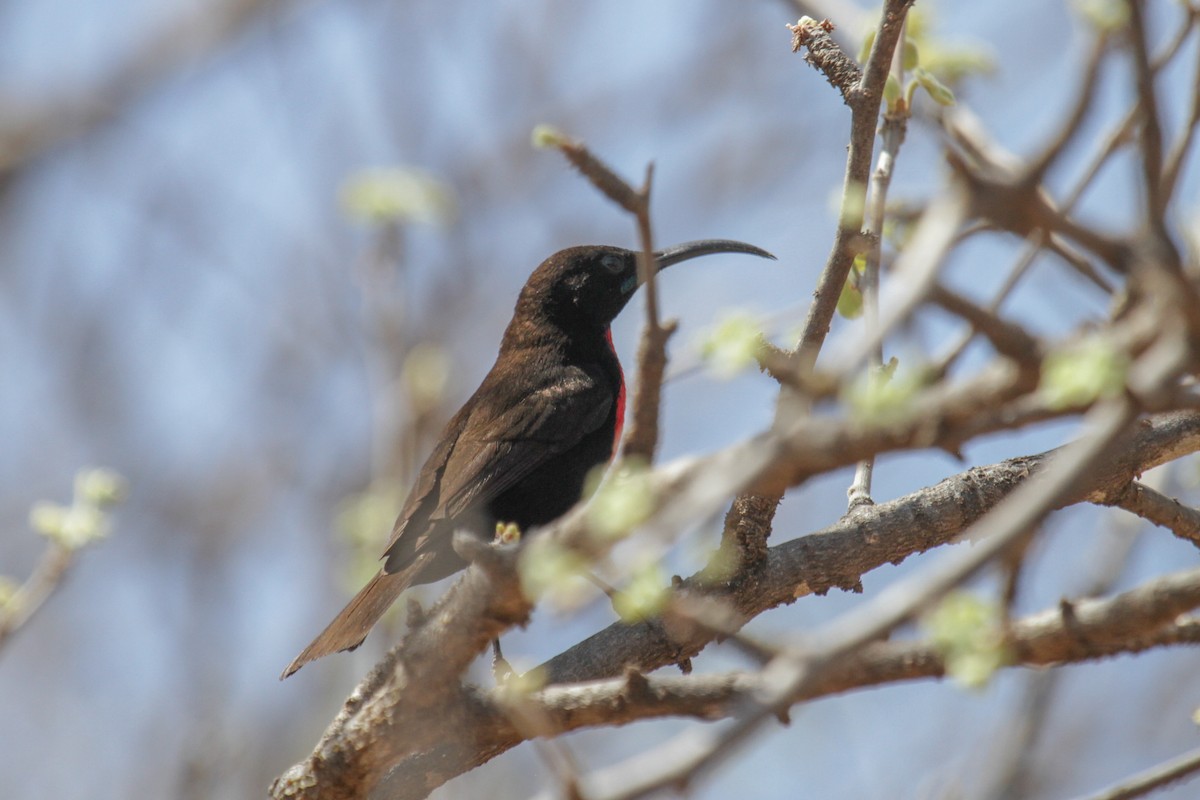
<point>1183,146</point>
<point>893,131</point>
<point>864,112</point>
<point>1177,769</point>
<point>641,440</point>
<point>1151,135</point>
<point>32,595</point>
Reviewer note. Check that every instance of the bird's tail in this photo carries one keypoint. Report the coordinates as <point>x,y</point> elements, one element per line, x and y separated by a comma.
<point>355,621</point>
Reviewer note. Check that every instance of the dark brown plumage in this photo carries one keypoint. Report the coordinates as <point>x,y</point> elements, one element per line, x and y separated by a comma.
<point>521,447</point>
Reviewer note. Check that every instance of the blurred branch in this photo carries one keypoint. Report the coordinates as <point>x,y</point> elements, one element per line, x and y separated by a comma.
<point>1156,507</point>
<point>1016,747</point>
<point>20,607</point>
<point>1151,143</point>
<point>1163,775</point>
<point>67,528</point>
<point>1183,146</point>
<point>31,128</point>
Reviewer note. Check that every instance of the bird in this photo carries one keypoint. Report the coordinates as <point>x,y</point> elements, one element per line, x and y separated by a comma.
<point>520,449</point>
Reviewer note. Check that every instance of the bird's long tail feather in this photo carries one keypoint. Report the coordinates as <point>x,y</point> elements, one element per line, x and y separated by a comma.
<point>355,621</point>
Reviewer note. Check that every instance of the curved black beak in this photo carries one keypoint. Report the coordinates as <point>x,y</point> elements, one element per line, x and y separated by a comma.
<point>706,247</point>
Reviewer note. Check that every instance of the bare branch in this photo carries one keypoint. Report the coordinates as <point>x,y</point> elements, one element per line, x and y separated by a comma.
<point>1138,498</point>
<point>1151,128</point>
<point>46,576</point>
<point>1177,769</point>
<point>864,112</point>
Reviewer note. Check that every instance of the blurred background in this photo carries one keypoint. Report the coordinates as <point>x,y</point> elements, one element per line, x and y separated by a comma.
<point>252,254</point>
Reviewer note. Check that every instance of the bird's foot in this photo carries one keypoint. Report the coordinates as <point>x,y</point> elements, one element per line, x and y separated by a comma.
<point>502,671</point>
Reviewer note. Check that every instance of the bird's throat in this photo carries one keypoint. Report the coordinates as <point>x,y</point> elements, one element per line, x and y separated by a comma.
<point>620,423</point>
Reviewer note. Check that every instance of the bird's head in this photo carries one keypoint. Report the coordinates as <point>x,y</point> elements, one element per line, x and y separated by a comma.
<point>591,284</point>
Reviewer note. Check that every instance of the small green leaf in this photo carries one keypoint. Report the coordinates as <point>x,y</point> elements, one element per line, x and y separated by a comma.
<point>880,396</point>
<point>644,596</point>
<point>426,373</point>
<point>911,56</point>
<point>101,487</point>
<point>1103,15</point>
<point>864,52</point>
<point>396,194</point>
<point>363,523</point>
<point>622,502</point>
<point>967,632</point>
<point>852,206</point>
<point>733,345</point>
<point>941,94</point>
<point>546,136</point>
<point>891,92</point>
<point>952,64</point>
<point>48,518</point>
<point>551,572</point>
<point>83,524</point>
<point>1082,373</point>
<point>850,301</point>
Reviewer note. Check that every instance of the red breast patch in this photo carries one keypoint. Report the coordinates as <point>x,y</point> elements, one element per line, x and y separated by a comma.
<point>620,396</point>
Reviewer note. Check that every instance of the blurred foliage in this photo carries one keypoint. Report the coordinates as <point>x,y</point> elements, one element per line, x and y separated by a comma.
<point>851,205</point>
<point>947,62</point>
<point>1103,15</point>
<point>397,195</point>
<point>644,595</point>
<point>879,396</point>
<point>86,519</point>
<point>850,301</point>
<point>621,500</point>
<point>364,522</point>
<point>1082,372</point>
<point>967,631</point>
<point>426,374</point>
<point>733,344</point>
<point>546,136</point>
<point>938,91</point>
<point>553,574</point>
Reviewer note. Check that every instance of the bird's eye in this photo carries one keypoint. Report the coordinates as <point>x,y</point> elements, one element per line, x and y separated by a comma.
<point>612,263</point>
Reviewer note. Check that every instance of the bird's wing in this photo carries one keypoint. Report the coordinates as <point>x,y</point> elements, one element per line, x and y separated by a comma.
<point>495,452</point>
<point>487,448</point>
